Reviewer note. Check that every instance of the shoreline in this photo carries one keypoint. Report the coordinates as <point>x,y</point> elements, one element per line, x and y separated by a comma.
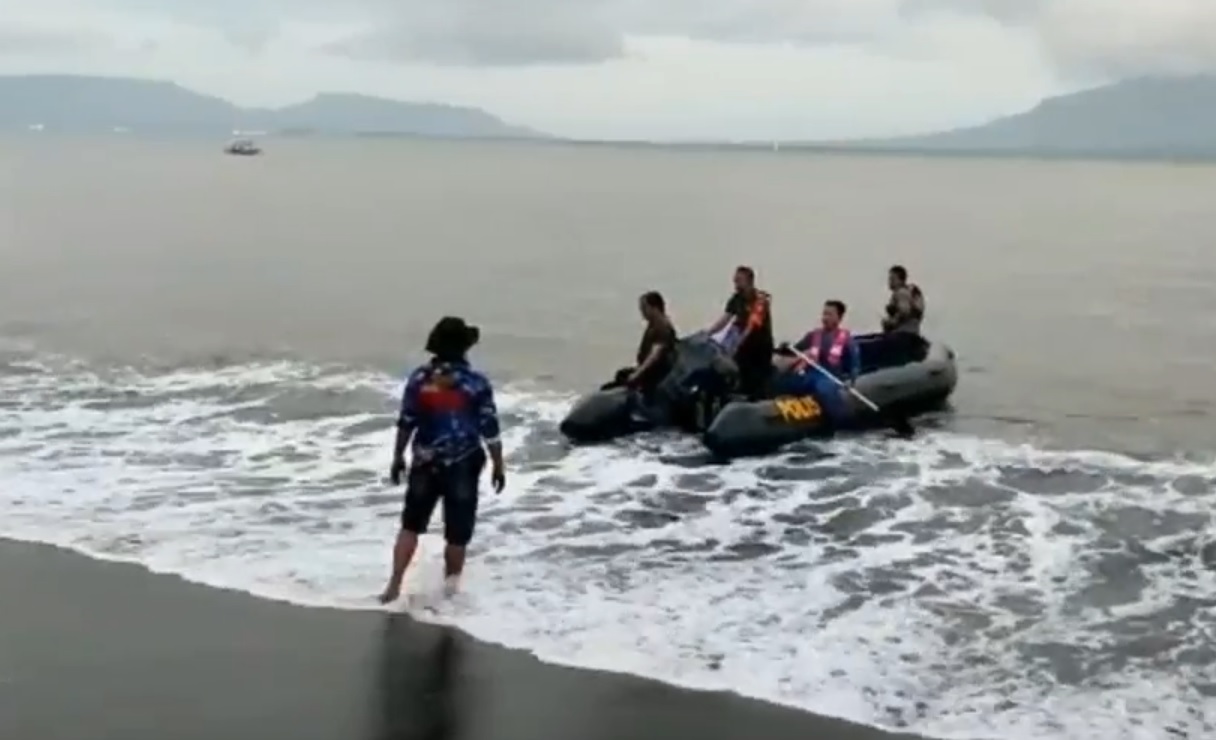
<point>1144,156</point>
<point>105,649</point>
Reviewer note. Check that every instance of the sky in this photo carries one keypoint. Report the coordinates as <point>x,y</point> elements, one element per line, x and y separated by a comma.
<point>632,69</point>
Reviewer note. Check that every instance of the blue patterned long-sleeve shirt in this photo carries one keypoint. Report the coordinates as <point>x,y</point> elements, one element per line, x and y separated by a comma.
<point>450,409</point>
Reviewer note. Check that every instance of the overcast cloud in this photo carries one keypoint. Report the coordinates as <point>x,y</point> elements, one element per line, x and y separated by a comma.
<point>742,68</point>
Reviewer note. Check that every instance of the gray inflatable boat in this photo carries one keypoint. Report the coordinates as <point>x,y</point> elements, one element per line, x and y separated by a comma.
<point>904,375</point>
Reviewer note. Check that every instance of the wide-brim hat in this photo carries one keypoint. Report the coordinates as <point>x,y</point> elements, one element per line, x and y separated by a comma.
<point>452,335</point>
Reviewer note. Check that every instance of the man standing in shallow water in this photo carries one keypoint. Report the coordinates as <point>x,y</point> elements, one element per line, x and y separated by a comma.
<point>448,410</point>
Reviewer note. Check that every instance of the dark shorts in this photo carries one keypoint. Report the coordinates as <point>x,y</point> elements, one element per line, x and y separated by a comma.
<point>456,484</point>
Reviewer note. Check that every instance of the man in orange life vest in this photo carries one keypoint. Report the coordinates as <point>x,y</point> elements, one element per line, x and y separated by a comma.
<point>833,348</point>
<point>748,314</point>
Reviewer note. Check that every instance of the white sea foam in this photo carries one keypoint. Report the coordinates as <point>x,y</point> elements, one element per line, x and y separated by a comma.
<point>951,585</point>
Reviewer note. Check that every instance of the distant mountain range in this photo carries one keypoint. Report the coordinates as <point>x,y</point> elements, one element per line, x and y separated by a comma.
<point>80,104</point>
<point>1151,116</point>
<point>1154,117</point>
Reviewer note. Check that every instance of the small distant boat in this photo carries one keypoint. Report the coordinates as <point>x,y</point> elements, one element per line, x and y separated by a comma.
<point>243,147</point>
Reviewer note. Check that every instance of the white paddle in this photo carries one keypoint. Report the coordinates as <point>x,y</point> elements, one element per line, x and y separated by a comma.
<point>900,424</point>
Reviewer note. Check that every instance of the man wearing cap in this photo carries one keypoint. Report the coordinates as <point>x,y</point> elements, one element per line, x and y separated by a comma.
<point>448,410</point>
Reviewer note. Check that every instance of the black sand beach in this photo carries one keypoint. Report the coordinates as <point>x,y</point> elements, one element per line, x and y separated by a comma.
<point>97,651</point>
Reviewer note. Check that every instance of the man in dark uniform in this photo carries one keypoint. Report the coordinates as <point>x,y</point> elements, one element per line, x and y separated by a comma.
<point>748,314</point>
<point>448,410</point>
<point>656,351</point>
<point>905,309</point>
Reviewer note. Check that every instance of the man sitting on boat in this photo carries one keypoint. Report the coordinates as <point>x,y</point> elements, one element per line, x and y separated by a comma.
<point>833,349</point>
<point>655,352</point>
<point>655,357</point>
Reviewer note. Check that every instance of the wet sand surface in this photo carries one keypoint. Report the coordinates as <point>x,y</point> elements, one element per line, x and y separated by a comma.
<point>107,651</point>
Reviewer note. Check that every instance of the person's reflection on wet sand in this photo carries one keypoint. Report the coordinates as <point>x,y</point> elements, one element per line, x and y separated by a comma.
<point>418,687</point>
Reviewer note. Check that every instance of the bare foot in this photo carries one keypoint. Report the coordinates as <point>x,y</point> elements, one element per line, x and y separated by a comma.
<point>390,594</point>
<point>451,585</point>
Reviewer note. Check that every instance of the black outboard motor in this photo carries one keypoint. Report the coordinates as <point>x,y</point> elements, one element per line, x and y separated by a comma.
<point>701,379</point>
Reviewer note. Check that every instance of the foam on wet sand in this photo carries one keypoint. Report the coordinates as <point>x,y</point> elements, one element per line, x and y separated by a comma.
<point>93,650</point>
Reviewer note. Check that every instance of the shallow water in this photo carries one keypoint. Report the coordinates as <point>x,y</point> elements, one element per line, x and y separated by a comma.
<point>202,353</point>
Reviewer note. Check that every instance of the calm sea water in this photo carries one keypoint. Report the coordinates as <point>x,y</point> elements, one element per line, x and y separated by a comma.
<point>200,352</point>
